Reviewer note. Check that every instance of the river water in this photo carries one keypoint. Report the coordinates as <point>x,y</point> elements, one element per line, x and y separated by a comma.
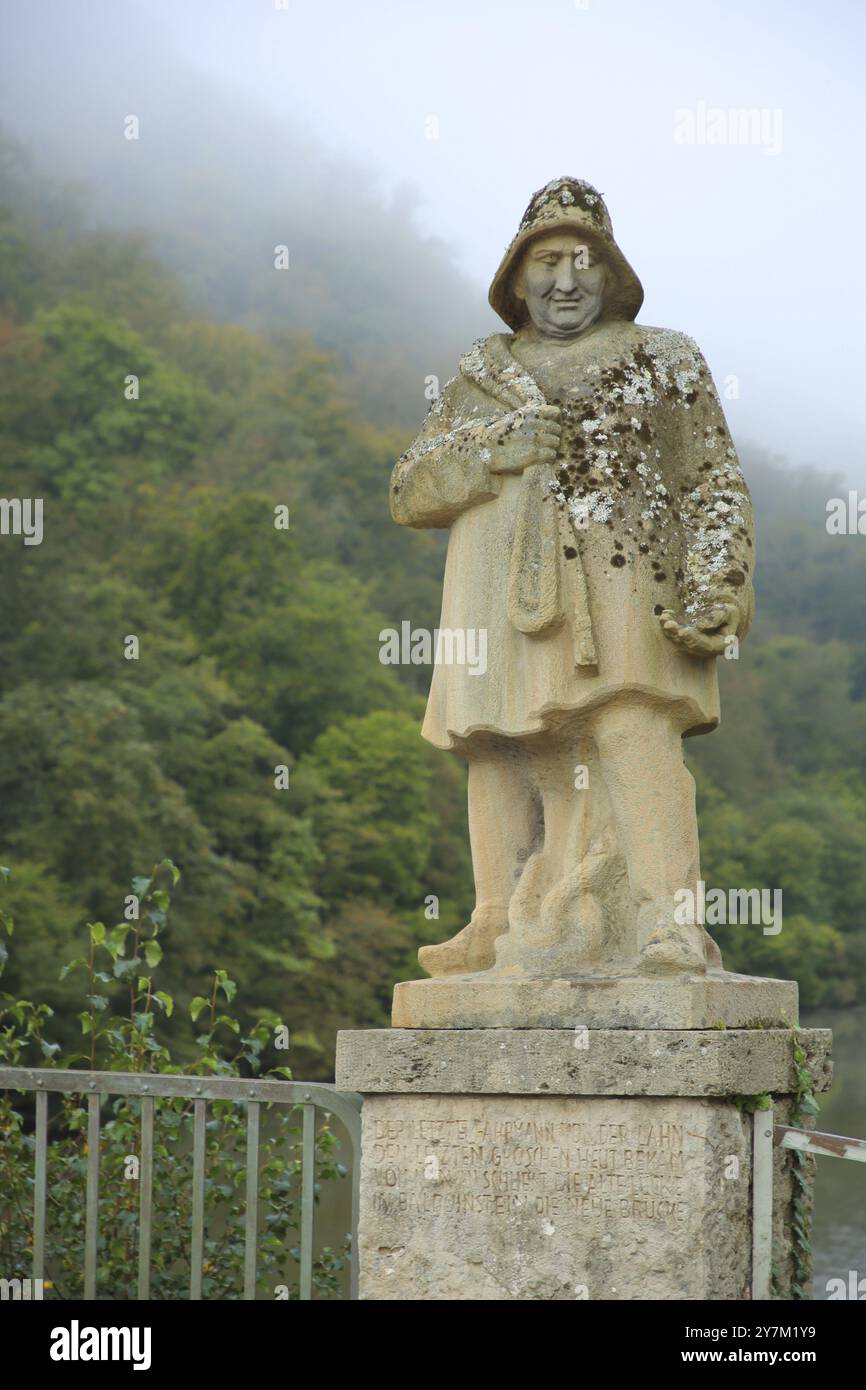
<point>839,1228</point>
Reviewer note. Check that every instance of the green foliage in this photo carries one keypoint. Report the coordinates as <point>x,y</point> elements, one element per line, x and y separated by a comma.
<point>801,838</point>
<point>255,642</point>
<point>117,971</point>
<point>89,443</point>
<point>749,1105</point>
<point>374,819</point>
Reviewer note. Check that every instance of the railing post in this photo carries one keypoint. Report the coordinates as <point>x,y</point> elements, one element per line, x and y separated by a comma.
<point>91,1219</point>
<point>197,1241</point>
<point>40,1182</point>
<point>762,1203</point>
<point>308,1198</point>
<point>145,1215</point>
<point>356,1207</point>
<point>252,1201</point>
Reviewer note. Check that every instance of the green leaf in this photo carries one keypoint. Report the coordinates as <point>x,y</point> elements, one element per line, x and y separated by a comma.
<point>124,968</point>
<point>166,1001</point>
<point>228,987</point>
<point>97,933</point>
<point>116,942</point>
<point>229,1022</point>
<point>152,953</point>
<point>140,886</point>
<point>196,1005</point>
<point>172,868</point>
<point>72,965</point>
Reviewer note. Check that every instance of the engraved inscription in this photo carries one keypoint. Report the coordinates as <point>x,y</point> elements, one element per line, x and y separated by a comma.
<point>494,1197</point>
<point>549,1167</point>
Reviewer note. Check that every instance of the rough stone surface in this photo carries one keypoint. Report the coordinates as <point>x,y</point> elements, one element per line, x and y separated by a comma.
<point>497,1198</point>
<point>543,1165</point>
<point>493,999</point>
<point>619,1062</point>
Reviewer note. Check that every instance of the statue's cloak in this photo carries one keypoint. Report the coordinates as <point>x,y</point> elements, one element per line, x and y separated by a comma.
<point>567,566</point>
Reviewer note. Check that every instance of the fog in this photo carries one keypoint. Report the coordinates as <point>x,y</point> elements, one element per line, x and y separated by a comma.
<point>395,144</point>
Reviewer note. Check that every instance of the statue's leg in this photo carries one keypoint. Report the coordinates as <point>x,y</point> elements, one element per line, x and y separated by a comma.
<point>580,844</point>
<point>563,779</point>
<point>556,915</point>
<point>501,831</point>
<point>652,794</point>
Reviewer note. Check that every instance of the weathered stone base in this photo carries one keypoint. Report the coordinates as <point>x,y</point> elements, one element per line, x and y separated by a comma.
<point>495,999</point>
<point>500,1197</point>
<point>503,1165</point>
<point>537,1061</point>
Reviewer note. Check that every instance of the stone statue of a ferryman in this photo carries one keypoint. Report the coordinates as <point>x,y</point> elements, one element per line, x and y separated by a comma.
<point>601,532</point>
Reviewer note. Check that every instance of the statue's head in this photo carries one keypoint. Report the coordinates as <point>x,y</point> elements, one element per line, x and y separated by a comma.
<point>561,278</point>
<point>563,270</point>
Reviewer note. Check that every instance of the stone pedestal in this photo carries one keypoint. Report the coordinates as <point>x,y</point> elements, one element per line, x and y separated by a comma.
<point>513,999</point>
<point>553,1164</point>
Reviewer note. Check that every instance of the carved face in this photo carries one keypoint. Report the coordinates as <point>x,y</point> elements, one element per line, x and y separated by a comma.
<point>561,279</point>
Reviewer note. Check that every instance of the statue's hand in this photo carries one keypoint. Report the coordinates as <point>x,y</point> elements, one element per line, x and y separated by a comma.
<point>532,435</point>
<point>707,633</point>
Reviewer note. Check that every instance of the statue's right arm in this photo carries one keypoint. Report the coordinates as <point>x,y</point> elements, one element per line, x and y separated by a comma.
<point>446,470</point>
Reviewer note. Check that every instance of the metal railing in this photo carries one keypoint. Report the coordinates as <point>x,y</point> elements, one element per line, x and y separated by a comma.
<point>765,1136</point>
<point>149,1088</point>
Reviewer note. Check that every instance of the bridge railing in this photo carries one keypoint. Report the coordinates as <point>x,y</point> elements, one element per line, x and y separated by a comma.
<point>765,1137</point>
<point>149,1088</point>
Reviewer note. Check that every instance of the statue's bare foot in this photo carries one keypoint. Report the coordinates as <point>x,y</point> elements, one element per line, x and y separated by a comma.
<point>669,947</point>
<point>714,955</point>
<point>471,949</point>
<point>665,954</point>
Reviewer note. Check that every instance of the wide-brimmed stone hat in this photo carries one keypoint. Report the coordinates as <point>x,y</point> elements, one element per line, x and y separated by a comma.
<point>568,205</point>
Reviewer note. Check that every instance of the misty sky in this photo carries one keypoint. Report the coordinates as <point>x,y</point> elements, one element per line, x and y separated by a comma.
<point>754,249</point>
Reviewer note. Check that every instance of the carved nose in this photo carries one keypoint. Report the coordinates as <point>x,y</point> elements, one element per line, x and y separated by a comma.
<point>566,280</point>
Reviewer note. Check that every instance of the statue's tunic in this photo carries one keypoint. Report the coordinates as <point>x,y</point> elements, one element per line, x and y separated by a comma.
<point>644,509</point>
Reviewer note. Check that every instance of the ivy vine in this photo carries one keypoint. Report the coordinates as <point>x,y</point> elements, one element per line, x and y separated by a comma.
<point>804,1103</point>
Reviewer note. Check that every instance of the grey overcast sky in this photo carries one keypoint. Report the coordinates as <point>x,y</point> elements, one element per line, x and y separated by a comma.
<point>754,247</point>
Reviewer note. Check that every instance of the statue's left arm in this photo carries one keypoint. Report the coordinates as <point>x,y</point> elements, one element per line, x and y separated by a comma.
<point>715,514</point>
